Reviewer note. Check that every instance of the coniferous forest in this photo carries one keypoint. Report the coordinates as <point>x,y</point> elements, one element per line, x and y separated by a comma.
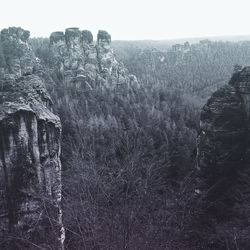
<point>129,153</point>
<point>130,140</point>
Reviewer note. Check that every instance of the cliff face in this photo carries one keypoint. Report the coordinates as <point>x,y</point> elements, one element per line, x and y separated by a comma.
<point>18,57</point>
<point>30,134</point>
<point>82,63</point>
<point>223,144</point>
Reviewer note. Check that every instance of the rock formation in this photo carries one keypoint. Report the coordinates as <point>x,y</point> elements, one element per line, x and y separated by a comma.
<point>223,143</point>
<point>82,63</point>
<point>30,134</point>
<point>19,58</point>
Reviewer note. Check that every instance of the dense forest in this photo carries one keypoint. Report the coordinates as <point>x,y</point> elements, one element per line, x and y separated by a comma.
<point>130,115</point>
<point>128,152</point>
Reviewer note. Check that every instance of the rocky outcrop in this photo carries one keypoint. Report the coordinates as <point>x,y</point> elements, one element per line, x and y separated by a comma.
<point>30,134</point>
<point>223,143</point>
<point>18,55</point>
<point>83,64</point>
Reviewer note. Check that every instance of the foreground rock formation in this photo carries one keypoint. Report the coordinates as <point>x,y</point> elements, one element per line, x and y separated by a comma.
<point>30,134</point>
<point>223,144</point>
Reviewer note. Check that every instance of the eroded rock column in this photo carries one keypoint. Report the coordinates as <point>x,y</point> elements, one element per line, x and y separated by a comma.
<point>30,145</point>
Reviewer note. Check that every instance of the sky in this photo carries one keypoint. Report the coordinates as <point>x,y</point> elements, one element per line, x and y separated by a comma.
<point>130,19</point>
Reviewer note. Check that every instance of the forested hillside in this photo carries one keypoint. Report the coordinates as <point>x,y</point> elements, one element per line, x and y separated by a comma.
<point>128,151</point>
<point>197,68</point>
<point>150,158</point>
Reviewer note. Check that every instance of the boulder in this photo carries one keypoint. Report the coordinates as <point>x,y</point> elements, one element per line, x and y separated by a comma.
<point>56,37</point>
<point>103,37</point>
<point>73,36</point>
<point>87,36</point>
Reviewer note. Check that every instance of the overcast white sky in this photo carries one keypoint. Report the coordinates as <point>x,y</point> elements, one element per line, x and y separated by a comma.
<point>130,19</point>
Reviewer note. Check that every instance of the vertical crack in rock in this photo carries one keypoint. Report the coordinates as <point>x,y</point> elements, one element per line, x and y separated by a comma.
<point>30,144</point>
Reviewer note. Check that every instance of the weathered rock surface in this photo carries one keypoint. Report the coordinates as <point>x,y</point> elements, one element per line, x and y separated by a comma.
<point>18,55</point>
<point>84,64</point>
<point>30,134</point>
<point>223,144</point>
